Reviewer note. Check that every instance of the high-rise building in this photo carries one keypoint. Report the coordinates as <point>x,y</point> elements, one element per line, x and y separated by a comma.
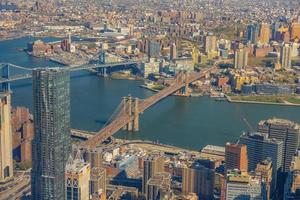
<point>199,179</point>
<point>6,157</point>
<point>159,187</point>
<point>295,30</point>
<point>252,33</point>
<point>240,58</point>
<point>265,33</point>
<point>259,148</point>
<point>51,145</point>
<point>153,49</point>
<point>77,179</point>
<point>98,183</point>
<point>286,56</point>
<point>286,131</point>
<point>241,185</point>
<point>22,130</point>
<point>210,43</point>
<point>173,51</point>
<point>292,184</point>
<point>264,169</point>
<point>236,157</point>
<point>153,164</point>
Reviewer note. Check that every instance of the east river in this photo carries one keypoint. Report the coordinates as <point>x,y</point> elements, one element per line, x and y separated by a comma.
<point>186,122</point>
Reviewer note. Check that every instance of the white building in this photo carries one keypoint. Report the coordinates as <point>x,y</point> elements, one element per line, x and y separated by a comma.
<point>242,186</point>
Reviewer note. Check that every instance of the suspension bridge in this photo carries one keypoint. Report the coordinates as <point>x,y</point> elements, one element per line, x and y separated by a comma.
<point>7,77</point>
<point>126,115</point>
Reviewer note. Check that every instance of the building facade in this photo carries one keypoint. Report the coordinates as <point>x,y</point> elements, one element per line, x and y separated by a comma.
<point>236,157</point>
<point>286,131</point>
<point>77,179</point>
<point>259,148</point>
<point>52,141</point>
<point>153,164</point>
<point>240,58</point>
<point>6,157</point>
<point>198,179</point>
<point>286,56</point>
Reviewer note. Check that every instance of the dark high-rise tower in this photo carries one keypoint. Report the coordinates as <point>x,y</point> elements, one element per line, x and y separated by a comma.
<point>286,131</point>
<point>52,143</point>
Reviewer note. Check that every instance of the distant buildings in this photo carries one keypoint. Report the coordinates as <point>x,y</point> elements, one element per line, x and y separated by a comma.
<point>52,143</point>
<point>286,131</point>
<point>240,58</point>
<point>67,45</point>
<point>199,179</point>
<point>153,49</point>
<point>286,56</point>
<point>295,30</point>
<point>236,157</point>
<point>210,43</point>
<point>39,48</point>
<point>173,51</point>
<point>265,33</point>
<point>252,33</point>
<point>241,185</point>
<point>6,157</point>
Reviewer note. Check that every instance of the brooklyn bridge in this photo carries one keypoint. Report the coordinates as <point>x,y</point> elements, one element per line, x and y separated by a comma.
<point>127,113</point>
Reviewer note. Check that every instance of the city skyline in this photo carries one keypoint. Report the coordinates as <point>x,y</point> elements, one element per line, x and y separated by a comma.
<point>149,100</point>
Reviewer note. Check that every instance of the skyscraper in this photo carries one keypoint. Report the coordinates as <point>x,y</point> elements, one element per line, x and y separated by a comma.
<point>259,148</point>
<point>77,179</point>
<point>6,160</point>
<point>286,131</point>
<point>52,143</point>
<point>210,43</point>
<point>153,49</point>
<point>153,164</point>
<point>265,33</point>
<point>252,33</point>
<point>295,30</point>
<point>285,56</point>
<point>236,157</point>
<point>199,179</point>
<point>240,58</point>
<point>173,51</point>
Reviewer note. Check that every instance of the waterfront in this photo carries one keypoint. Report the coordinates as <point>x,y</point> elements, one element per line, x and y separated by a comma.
<point>186,122</point>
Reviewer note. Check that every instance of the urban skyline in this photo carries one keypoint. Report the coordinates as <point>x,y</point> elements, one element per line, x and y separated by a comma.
<point>173,56</point>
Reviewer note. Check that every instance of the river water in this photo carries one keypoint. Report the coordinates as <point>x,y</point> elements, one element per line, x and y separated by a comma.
<point>186,122</point>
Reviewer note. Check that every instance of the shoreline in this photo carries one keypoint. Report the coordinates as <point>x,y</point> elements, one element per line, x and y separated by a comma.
<point>260,102</point>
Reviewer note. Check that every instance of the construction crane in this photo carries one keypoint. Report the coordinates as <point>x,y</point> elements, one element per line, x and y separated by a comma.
<point>248,124</point>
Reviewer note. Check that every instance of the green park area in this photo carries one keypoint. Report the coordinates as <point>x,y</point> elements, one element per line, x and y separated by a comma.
<point>282,99</point>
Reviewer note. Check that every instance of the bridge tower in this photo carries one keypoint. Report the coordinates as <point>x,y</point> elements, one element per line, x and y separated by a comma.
<point>136,115</point>
<point>102,60</point>
<point>130,106</point>
<point>5,75</point>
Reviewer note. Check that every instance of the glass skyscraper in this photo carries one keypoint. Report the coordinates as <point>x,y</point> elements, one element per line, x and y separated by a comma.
<point>51,145</point>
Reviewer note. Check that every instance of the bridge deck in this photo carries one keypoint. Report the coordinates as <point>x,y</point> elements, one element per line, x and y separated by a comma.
<point>123,119</point>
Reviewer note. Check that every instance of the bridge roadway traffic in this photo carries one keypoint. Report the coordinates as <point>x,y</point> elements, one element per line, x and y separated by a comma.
<point>123,118</point>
